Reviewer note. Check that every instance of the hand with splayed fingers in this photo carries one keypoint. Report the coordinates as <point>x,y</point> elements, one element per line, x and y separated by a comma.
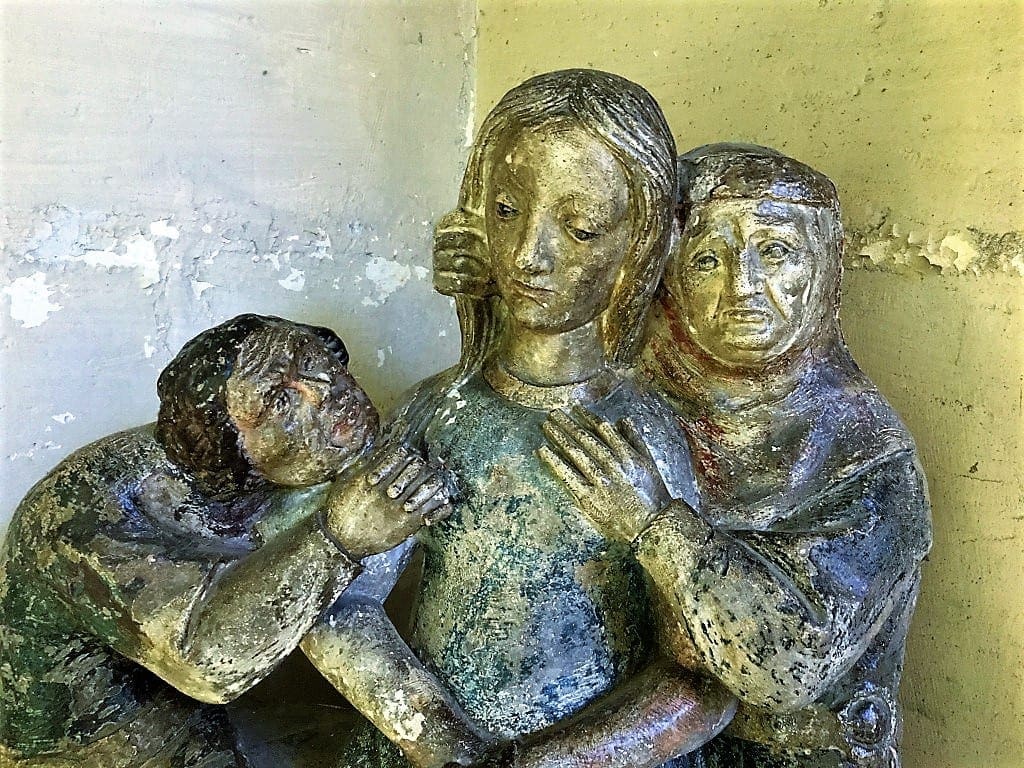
<point>396,493</point>
<point>609,470</point>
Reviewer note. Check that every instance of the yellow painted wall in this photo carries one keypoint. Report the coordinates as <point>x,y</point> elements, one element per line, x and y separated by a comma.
<point>916,110</point>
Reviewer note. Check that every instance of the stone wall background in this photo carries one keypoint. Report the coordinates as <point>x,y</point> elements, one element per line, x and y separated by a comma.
<point>165,167</point>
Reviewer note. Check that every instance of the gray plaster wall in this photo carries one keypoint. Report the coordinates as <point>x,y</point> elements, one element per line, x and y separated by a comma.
<point>167,166</point>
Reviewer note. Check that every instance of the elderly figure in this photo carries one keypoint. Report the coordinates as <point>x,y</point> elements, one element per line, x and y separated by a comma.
<point>168,568</point>
<point>795,582</point>
<point>526,615</point>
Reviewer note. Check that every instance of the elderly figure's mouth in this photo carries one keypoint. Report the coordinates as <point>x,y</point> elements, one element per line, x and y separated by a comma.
<point>747,316</point>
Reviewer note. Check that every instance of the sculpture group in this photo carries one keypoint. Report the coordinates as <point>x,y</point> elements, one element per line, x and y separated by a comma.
<point>665,519</point>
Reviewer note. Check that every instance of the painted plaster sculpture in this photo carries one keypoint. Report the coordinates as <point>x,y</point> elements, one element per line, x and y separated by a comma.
<point>533,638</point>
<point>795,582</point>
<point>165,569</point>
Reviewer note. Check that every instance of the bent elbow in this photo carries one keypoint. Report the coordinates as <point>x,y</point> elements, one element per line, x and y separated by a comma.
<point>210,681</point>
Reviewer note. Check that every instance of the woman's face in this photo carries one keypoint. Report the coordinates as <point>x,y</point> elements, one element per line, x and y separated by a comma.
<point>300,415</point>
<point>745,278</point>
<point>558,226</point>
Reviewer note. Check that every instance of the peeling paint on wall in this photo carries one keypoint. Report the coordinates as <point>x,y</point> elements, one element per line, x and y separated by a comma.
<point>889,246</point>
<point>30,300</point>
<point>256,169</point>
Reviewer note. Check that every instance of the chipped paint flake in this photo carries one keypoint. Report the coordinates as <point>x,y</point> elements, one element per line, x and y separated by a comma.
<point>63,418</point>
<point>163,229</point>
<point>295,281</point>
<point>139,254</point>
<point>387,276</point>
<point>888,244</point>
<point>199,287</point>
<point>30,300</point>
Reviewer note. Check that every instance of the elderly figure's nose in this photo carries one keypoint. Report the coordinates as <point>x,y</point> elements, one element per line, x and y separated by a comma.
<point>746,277</point>
<point>534,254</point>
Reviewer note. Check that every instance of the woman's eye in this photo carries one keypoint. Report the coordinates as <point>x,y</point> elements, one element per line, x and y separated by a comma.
<point>776,252</point>
<point>582,235</point>
<point>705,262</point>
<point>504,210</point>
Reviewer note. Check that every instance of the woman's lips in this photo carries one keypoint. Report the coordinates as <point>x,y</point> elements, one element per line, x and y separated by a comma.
<point>534,293</point>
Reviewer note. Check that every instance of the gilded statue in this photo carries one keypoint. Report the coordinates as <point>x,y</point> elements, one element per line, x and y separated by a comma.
<point>794,582</point>
<point>662,518</point>
<point>533,640</point>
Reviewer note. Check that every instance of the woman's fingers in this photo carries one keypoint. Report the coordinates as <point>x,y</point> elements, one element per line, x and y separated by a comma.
<point>460,261</point>
<point>435,509</point>
<point>606,432</point>
<point>564,471</point>
<point>416,497</point>
<point>584,431</point>
<point>388,463</point>
<point>409,479</point>
<point>570,448</point>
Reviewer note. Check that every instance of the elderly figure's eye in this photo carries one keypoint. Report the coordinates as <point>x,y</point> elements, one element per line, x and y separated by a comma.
<point>776,252</point>
<point>504,210</point>
<point>705,261</point>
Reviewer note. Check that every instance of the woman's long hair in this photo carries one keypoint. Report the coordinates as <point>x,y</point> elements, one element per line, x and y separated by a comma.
<point>627,120</point>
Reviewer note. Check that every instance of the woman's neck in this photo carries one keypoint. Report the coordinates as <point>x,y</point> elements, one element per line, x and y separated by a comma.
<point>546,359</point>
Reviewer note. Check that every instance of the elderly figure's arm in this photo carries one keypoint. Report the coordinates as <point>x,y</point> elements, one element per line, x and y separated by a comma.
<point>776,614</point>
<point>779,614</point>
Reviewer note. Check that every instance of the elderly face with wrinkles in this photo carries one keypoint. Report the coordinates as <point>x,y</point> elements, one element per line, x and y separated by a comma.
<point>300,415</point>
<point>746,279</point>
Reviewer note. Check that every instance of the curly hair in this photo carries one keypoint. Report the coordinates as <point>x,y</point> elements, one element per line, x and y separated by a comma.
<point>194,425</point>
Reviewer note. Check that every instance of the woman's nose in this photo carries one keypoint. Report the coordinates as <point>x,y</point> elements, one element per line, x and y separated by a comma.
<point>534,254</point>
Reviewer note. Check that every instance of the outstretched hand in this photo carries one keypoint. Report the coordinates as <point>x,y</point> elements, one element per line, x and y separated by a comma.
<point>608,469</point>
<point>396,494</point>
